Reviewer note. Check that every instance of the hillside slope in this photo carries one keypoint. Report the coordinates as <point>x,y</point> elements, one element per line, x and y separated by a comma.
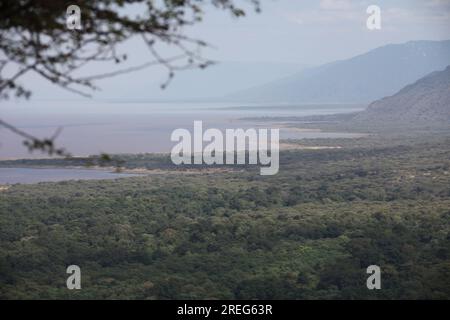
<point>427,100</point>
<point>378,73</point>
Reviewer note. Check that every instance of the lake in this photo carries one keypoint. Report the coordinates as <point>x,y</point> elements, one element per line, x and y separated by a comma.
<point>35,175</point>
<point>94,127</point>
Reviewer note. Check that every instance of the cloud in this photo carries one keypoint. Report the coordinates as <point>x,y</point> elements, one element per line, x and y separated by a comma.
<point>439,3</point>
<point>330,12</point>
<point>335,4</point>
<point>405,16</point>
<point>350,13</point>
<point>329,18</point>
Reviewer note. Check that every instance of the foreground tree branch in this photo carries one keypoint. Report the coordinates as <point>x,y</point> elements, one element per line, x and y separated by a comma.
<point>46,145</point>
<point>34,38</point>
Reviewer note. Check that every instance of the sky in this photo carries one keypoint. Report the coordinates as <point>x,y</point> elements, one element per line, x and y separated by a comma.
<point>316,32</point>
<point>287,35</point>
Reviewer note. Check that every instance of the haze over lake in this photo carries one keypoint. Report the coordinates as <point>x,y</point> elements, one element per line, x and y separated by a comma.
<point>138,127</point>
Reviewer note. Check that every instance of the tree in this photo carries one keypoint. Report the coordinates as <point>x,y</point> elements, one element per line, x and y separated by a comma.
<point>35,38</point>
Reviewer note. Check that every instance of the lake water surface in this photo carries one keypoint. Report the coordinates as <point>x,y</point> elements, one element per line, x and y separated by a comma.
<point>35,175</point>
<point>94,127</point>
<point>132,127</point>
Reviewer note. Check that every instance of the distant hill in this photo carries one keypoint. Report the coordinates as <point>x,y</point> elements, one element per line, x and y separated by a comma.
<point>378,73</point>
<point>425,101</point>
<point>194,84</point>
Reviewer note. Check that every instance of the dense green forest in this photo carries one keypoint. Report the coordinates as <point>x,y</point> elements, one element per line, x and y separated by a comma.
<point>308,232</point>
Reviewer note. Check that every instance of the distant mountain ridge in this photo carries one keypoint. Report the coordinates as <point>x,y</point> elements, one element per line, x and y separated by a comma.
<point>425,101</point>
<point>378,73</point>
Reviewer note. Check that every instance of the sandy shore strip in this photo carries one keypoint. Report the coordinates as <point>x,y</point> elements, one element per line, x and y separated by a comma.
<point>295,146</point>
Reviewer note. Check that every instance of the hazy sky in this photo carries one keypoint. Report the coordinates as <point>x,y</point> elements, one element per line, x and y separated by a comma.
<point>315,32</point>
<point>291,33</point>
